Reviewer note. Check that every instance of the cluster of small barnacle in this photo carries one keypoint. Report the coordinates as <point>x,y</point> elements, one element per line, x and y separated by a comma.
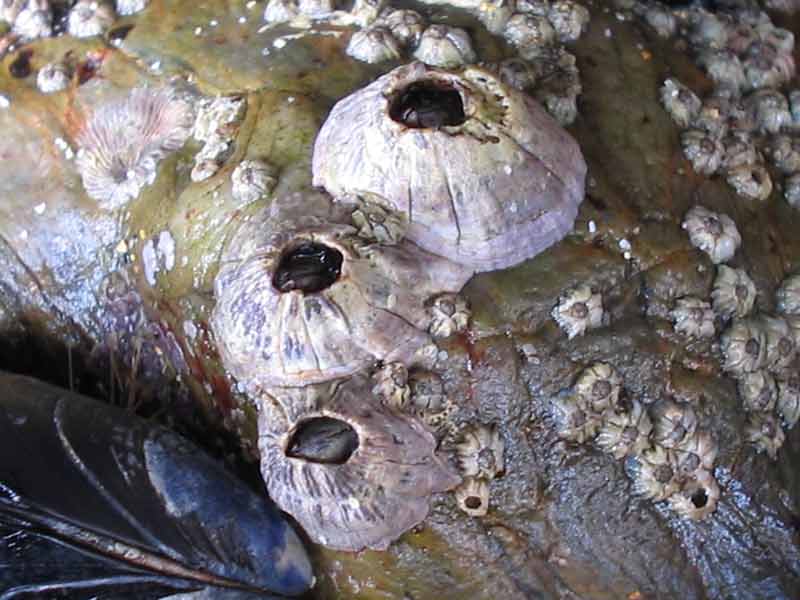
<point>667,456</point>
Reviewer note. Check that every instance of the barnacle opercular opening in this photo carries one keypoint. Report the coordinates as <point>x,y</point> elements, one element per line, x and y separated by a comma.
<point>700,498</point>
<point>308,267</point>
<point>473,502</point>
<point>323,440</point>
<point>428,105</point>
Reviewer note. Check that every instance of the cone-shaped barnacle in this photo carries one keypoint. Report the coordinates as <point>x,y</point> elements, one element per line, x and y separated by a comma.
<point>379,223</point>
<point>698,451</point>
<point>654,473</point>
<point>122,141</point>
<point>131,7</point>
<point>765,66</point>
<point>724,68</point>
<point>365,12</point>
<point>529,34</point>
<point>758,391</point>
<point>449,314</point>
<point>390,385</point>
<point>217,123</point>
<point>406,26</point>
<point>429,401</point>
<point>445,46</point>
<point>480,452</point>
<point>764,431</point>
<point>787,295</point>
<point>578,310</point>
<point>750,181</point>
<point>789,400</point>
<point>744,347</point>
<point>495,14</point>
<point>781,346</point>
<point>770,110</point>
<point>354,473</point>
<point>740,150</point>
<point>784,151</point>
<point>693,317</point>
<point>697,497</point>
<point>252,179</point>
<point>733,294</point>
<point>373,45</point>
<point>472,496</point>
<point>572,422</point>
<point>569,19</point>
<point>713,233</point>
<point>672,423</point>
<point>680,102</point>
<point>625,432</point>
<point>502,183</point>
<point>285,10</point>
<point>515,72</point>
<point>598,387</point>
<point>32,19</point>
<point>703,150</point>
<point>302,299</point>
<point>53,77</point>
<point>90,17</point>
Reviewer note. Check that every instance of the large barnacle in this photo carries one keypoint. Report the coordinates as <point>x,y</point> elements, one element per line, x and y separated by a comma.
<point>654,473</point>
<point>781,346</point>
<point>529,34</point>
<point>733,293</point>
<point>697,496</point>
<point>598,387</point>
<point>391,385</point>
<point>303,299</point>
<point>578,310</point>
<point>765,432</point>
<point>445,46</point>
<point>373,45</point>
<point>449,314</point>
<point>713,233</point>
<point>672,423</point>
<point>758,391</point>
<point>90,17</point>
<point>625,432</point>
<point>480,452</point>
<point>354,473</point>
<point>472,496</point>
<point>789,400</point>
<point>680,102</point>
<point>572,422</point>
<point>703,150</point>
<point>744,347</point>
<point>693,317</point>
<point>787,296</point>
<point>750,181</point>
<point>502,181</point>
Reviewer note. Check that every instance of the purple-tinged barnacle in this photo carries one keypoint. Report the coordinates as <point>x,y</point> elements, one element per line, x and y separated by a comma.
<point>569,19</point>
<point>654,473</point>
<point>572,422</point>
<point>391,385</point>
<point>354,473</point>
<point>366,12</point>
<point>660,18</point>
<point>703,150</point>
<point>578,310</point>
<point>680,102</point>
<point>625,432</point>
<point>733,294</point>
<point>724,68</point>
<point>698,451</point>
<point>672,423</point>
<point>713,233</point>
<point>740,150</point>
<point>697,497</point>
<point>750,181</point>
<point>764,66</point>
<point>764,431</point>
<point>444,46</point>
<point>781,346</point>
<point>539,8</point>
<point>90,17</point>
<point>740,37</point>
<point>598,387</point>
<point>406,26</point>
<point>791,190</point>
<point>529,34</point>
<point>480,452</point>
<point>707,30</point>
<point>770,109</point>
<point>781,39</point>
<point>693,317</point>
<point>784,151</point>
<point>52,78</point>
<point>449,314</point>
<point>304,300</point>
<point>251,180</point>
<point>744,347</point>
<point>503,181</point>
<point>789,400</point>
<point>122,142</point>
<point>472,496</point>
<point>758,391</point>
<point>131,7</point>
<point>787,296</point>
<point>373,45</point>
<point>516,73</point>
<point>495,14</point>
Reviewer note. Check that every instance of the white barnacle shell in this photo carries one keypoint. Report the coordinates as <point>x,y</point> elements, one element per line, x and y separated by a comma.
<point>713,233</point>
<point>302,299</point>
<point>495,14</point>
<point>90,17</point>
<point>750,181</point>
<point>672,423</point>
<point>724,68</point>
<point>52,78</point>
<point>764,431</point>
<point>278,11</point>
<point>707,30</point>
<point>625,432</point>
<point>210,158</point>
<point>502,181</point>
<point>680,102</point>
<point>529,34</point>
<point>391,385</point>
<point>218,118</point>
<point>373,45</point>
<point>781,345</point>
<point>697,451</point>
<point>704,151</point>
<point>445,46</point>
<point>534,7</point>
<point>354,473</point>
<point>598,387</point>
<point>366,12</point>
<point>34,19</point>
<point>406,26</point>
<point>765,66</point>
<point>122,141</point>
<point>693,317</point>
<point>569,19</point>
<point>787,296</point>
<point>252,179</point>
<point>784,150</point>
<point>697,497</point>
<point>578,310</point>
<point>789,400</point>
<point>472,496</point>
<point>449,314</point>
<point>131,7</point>
<point>758,391</point>
<point>770,109</point>
<point>744,347</point>
<point>572,422</point>
<point>733,294</point>
<point>791,190</point>
<point>480,451</point>
<point>654,473</point>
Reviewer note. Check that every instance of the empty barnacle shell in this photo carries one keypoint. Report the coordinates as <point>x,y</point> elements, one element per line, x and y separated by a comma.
<point>739,150</point>
<point>625,432</point>
<point>449,314</point>
<point>724,68</point>
<point>377,223</point>
<point>750,181</point>
<point>770,109</point>
<point>713,233</point>
<point>90,17</point>
<point>373,45</point>
<point>252,179</point>
<point>123,140</point>
<point>569,19</point>
<point>789,400</point>
<point>445,46</point>
<point>744,347</point>
<point>572,422</point>
<point>697,497</point>
<point>784,151</point>
<point>131,7</point>
<point>654,473</point>
<point>472,496</point>
<point>693,317</point>
<point>495,14</point>
<point>53,77</point>
<point>734,293</point>
<point>680,102</point>
<point>391,385</point>
<point>765,66</point>
<point>758,391</point>
<point>406,26</point>
<point>530,34</point>
<point>781,346</point>
<point>354,473</point>
<point>302,299</point>
<point>791,190</point>
<point>517,73</point>
<point>697,451</point>
<point>672,423</point>
<point>764,431</point>
<point>703,150</point>
<point>503,180</point>
<point>787,296</point>
<point>366,12</point>
<point>578,310</point>
<point>598,387</point>
<point>34,19</point>
<point>480,451</point>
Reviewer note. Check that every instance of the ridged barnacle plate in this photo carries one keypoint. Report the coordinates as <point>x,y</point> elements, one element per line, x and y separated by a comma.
<point>302,299</point>
<point>485,176</point>
<point>353,472</point>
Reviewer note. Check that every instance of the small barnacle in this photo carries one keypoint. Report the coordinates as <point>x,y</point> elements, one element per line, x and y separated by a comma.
<point>131,7</point>
<point>715,115</point>
<point>495,14</point>
<point>578,310</point>
<point>529,34</point>
<point>445,46</point>
<point>791,190</point>
<point>781,347</point>
<point>794,106</point>
<point>764,430</point>
<point>740,150</point>
<point>750,181</point>
<point>724,68</point>
<point>733,294</point>
<point>740,37</point>
<point>391,385</point>
<point>744,347</point>
<point>53,77</point>
<point>770,109</point>
<point>480,452</point>
<point>693,317</point>
<point>406,26</point>
<point>787,296</point>
<point>765,66</point>
<point>680,102</point>
<point>122,142</point>
<point>210,158</point>
<point>672,423</point>
<point>365,12</point>
<point>625,432</point>
<point>789,400</point>
<point>534,7</point>
<point>707,30</point>
<point>569,19</point>
<point>32,19</point>
<point>449,314</point>
<point>218,118</point>
<point>661,19</point>
<point>697,497</point>
<point>713,233</point>
<point>784,151</point>
<point>758,391</point>
<point>781,39</point>
<point>374,222</point>
<point>90,17</point>
<point>654,473</point>
<point>572,422</point>
<point>517,73</point>
<point>286,10</point>
<point>252,179</point>
<point>472,496</point>
<point>373,45</point>
<point>698,451</point>
<point>598,387</point>
<point>428,398</point>
<point>704,151</point>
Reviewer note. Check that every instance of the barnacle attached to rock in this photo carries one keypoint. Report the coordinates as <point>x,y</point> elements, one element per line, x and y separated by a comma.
<point>680,102</point>
<point>713,233</point>
<point>765,432</point>
<point>787,296</point>
<point>578,310</point>
<point>569,19</point>
<point>703,150</point>
<point>770,109</point>
<point>714,116</point>
<point>391,385</point>
<point>373,45</point>
<point>472,496</point>
<point>495,14</point>
<point>90,17</point>
<point>502,180</point>
<point>697,497</point>
<point>354,473</point>
<point>707,30</point>
<point>131,7</point>
<point>654,473</point>
<point>625,432</point>
<point>32,19</point>
<point>598,387</point>
<point>781,345</point>
<point>660,18</point>
<point>572,422</point>
<point>366,12</point>
<point>480,452</point>
<point>529,34</point>
<point>784,150</point>
<point>445,46</point>
<point>750,181</point>
<point>449,314</point>
<point>517,73</point>
<point>693,317</point>
<point>765,66</point>
<point>122,142</point>
<point>724,68</point>
<point>758,391</point>
<point>744,347</point>
<point>672,423</point>
<point>696,452</point>
<point>406,26</point>
<point>733,294</point>
<point>429,401</point>
<point>791,190</point>
<point>252,179</point>
<point>278,11</point>
<point>217,123</point>
<point>740,150</point>
<point>53,77</point>
<point>378,223</point>
<point>789,400</point>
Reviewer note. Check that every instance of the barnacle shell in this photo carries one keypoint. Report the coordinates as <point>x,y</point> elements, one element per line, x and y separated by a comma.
<point>501,183</point>
<point>428,398</point>
<point>131,7</point>
<point>382,487</point>
<point>445,46</point>
<point>529,34</point>
<point>724,68</point>
<point>734,292</point>
<point>680,102</point>
<point>572,422</point>
<point>739,150</point>
<point>789,400</point>
<point>122,142</point>
<point>758,391</point>
<point>713,233</point>
<point>252,179</point>
<point>697,451</point>
<point>34,20</point>
<point>654,473</point>
<point>787,295</point>
<point>365,12</point>
<point>704,151</point>
<point>391,385</point>
<point>534,7</point>
<point>90,17</point>
<point>707,30</point>
<point>625,432</point>
<point>672,423</point>
<point>517,73</point>
<point>661,19</point>
<point>785,153</point>
<point>378,223</point>
<point>495,14</point>
<point>472,496</point>
<point>286,10</point>
<point>744,346</point>
<point>770,109</point>
<point>693,317</point>
<point>751,181</point>
<point>598,387</point>
<point>370,308</point>
<point>714,116</point>
<point>52,77</point>
<point>569,19</point>
<point>218,118</point>
<point>578,310</point>
<point>373,45</point>
<point>791,190</point>
<point>764,430</point>
<point>781,39</point>
<point>480,452</point>
<point>697,497</point>
<point>406,26</point>
<point>449,314</point>
<point>781,346</point>
<point>765,66</point>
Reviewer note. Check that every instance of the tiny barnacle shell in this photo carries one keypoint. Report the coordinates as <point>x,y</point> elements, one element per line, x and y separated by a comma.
<point>131,7</point>
<point>406,26</point>
<point>791,190</point>
<point>697,451</point>
<point>286,10</point>
<point>781,39</point>
<point>787,296</point>
<point>218,118</point>
<point>744,347</point>
<point>366,12</point>
<point>770,110</point>
<point>765,66</point>
<point>480,451</point>
<point>534,7</point>
<point>680,102</point>
<point>428,397</point>
<point>661,19</point>
<point>707,30</point>
<point>90,17</point>
<point>714,116</point>
<point>733,294</point>
<point>495,14</point>
<point>703,150</point>
<point>654,473</point>
<point>252,179</point>
<point>750,181</point>
<point>516,73</point>
<point>672,423</point>
<point>781,346</point>
<point>713,233</point>
<point>784,151</point>
<point>693,317</point>
<point>789,400</point>
<point>724,68</point>
<point>449,314</point>
<point>569,19</point>
<point>598,387</point>
<point>739,150</point>
<point>529,34</point>
<point>572,422</point>
<point>373,45</point>
<point>764,430</point>
<point>625,432</point>
<point>697,497</point>
<point>472,496</point>
<point>758,391</point>
<point>578,310</point>
<point>354,473</point>
<point>378,223</point>
<point>53,77</point>
<point>391,385</point>
<point>123,140</point>
<point>445,46</point>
